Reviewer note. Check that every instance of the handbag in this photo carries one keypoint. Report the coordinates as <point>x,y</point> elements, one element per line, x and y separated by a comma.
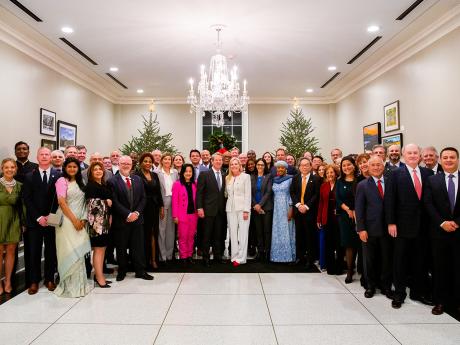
<point>55,219</point>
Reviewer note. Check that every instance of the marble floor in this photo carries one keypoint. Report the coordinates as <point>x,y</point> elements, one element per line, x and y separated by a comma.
<point>265,309</point>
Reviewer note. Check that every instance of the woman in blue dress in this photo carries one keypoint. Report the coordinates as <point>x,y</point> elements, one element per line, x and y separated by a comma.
<point>283,231</point>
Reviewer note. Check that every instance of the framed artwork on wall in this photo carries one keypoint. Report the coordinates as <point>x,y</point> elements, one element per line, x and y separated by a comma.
<point>51,144</point>
<point>391,117</point>
<point>371,136</point>
<point>67,135</point>
<point>394,139</point>
<point>47,122</point>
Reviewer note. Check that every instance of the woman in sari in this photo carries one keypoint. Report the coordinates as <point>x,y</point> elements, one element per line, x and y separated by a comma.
<point>283,232</point>
<point>72,240</point>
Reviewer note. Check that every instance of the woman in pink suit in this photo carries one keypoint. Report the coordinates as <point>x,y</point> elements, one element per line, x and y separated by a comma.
<point>184,211</point>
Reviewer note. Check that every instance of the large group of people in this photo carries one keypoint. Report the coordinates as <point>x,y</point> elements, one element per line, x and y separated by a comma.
<point>394,222</point>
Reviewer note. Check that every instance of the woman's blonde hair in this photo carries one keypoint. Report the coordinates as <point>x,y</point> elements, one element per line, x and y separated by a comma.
<point>230,175</point>
<point>6,160</point>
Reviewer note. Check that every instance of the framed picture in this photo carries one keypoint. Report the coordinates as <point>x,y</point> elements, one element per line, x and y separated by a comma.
<point>391,117</point>
<point>51,144</point>
<point>67,135</point>
<point>371,136</point>
<point>47,122</point>
<point>394,139</point>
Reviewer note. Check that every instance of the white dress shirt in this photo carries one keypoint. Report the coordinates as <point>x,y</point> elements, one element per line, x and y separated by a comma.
<point>48,173</point>
<point>376,180</point>
<point>411,173</point>
<point>168,182</point>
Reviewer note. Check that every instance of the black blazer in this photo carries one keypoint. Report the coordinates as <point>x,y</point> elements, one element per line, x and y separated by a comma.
<point>152,189</point>
<point>402,206</point>
<point>121,207</point>
<point>267,193</point>
<point>37,199</point>
<point>311,195</point>
<point>389,168</point>
<point>438,206</point>
<point>208,196</point>
<point>369,208</point>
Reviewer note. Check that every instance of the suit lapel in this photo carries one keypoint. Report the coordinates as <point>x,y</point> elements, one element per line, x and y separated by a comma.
<point>409,181</point>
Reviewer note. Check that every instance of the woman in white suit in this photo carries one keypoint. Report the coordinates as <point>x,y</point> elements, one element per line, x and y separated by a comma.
<point>238,189</point>
<point>167,232</point>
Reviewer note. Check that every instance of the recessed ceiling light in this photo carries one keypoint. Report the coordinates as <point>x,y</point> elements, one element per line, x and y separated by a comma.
<point>67,30</point>
<point>140,91</point>
<point>373,28</point>
<point>113,69</point>
<point>309,90</point>
<point>332,68</point>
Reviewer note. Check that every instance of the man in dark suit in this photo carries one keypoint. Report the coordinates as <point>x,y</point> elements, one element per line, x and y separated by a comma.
<point>39,193</point>
<point>372,229</point>
<point>128,202</point>
<point>430,158</point>
<point>394,159</point>
<point>305,197</point>
<point>406,218</point>
<point>81,156</point>
<point>442,201</point>
<point>210,204</point>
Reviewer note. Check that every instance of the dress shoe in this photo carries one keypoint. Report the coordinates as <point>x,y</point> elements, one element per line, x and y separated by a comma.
<point>207,262</point>
<point>33,289</point>
<point>396,304</point>
<point>120,276</point>
<point>349,278</point>
<point>369,293</point>
<point>388,293</point>
<point>50,286</point>
<point>438,309</point>
<point>144,276</point>
<point>421,299</point>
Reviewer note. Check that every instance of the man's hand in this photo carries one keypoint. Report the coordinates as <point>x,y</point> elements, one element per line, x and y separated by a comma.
<point>363,235</point>
<point>132,217</point>
<point>392,230</point>
<point>449,226</point>
<point>43,221</point>
<point>302,209</point>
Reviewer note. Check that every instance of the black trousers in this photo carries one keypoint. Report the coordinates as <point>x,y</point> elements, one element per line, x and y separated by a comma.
<point>408,263</point>
<point>333,250</point>
<point>151,229</point>
<point>377,262</point>
<point>33,244</point>
<point>199,234</point>
<point>305,235</point>
<point>263,229</point>
<point>214,231</point>
<point>446,270</point>
<point>130,236</point>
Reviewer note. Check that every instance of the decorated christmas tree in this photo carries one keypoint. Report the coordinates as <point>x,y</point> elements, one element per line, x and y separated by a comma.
<point>296,134</point>
<point>149,139</point>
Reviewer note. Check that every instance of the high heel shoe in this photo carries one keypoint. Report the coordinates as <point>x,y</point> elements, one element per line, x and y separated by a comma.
<point>96,283</point>
<point>349,277</point>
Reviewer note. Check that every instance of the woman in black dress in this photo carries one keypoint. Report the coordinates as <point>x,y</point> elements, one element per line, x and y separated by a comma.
<point>99,200</point>
<point>152,209</point>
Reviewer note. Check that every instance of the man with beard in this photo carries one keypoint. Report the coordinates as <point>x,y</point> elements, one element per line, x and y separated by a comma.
<point>394,159</point>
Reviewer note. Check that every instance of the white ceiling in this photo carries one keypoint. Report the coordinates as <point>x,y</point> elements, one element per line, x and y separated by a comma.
<point>280,47</point>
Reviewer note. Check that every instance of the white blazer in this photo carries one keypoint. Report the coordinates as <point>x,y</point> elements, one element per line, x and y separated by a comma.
<point>239,193</point>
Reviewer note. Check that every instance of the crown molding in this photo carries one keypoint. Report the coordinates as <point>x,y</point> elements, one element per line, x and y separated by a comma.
<point>432,33</point>
<point>22,36</point>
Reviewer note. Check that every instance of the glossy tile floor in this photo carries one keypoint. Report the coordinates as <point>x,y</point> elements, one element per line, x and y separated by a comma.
<point>236,309</point>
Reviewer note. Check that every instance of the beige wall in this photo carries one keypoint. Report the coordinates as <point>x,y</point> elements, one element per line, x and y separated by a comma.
<point>28,85</point>
<point>428,88</point>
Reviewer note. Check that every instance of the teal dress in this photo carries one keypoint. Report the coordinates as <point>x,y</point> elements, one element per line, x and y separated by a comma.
<point>345,194</point>
<point>11,213</point>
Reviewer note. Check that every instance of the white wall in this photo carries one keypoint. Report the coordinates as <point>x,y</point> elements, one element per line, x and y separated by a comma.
<point>27,85</point>
<point>428,88</point>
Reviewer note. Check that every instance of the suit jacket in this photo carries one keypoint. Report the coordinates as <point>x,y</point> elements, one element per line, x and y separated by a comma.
<point>402,205</point>
<point>179,200</point>
<point>201,168</point>
<point>121,206</point>
<point>208,196</point>
<point>39,201</point>
<point>161,177</point>
<point>267,193</point>
<point>323,205</point>
<point>369,208</point>
<point>389,168</point>
<point>239,194</point>
<point>311,194</point>
<point>438,206</point>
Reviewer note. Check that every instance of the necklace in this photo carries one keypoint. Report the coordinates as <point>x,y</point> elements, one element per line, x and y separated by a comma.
<point>8,184</point>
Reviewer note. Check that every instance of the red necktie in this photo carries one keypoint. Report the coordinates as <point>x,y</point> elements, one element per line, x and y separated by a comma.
<point>128,182</point>
<point>417,184</point>
<point>380,188</point>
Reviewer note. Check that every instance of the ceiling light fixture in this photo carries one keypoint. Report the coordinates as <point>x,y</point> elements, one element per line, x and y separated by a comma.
<point>140,91</point>
<point>332,68</point>
<point>218,91</point>
<point>373,28</point>
<point>113,69</point>
<point>309,90</point>
<point>67,30</point>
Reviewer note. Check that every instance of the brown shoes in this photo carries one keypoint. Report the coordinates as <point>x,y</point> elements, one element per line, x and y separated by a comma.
<point>33,289</point>
<point>438,309</point>
<point>50,286</point>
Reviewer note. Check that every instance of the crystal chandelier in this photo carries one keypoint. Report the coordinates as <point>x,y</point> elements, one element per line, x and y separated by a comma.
<point>218,91</point>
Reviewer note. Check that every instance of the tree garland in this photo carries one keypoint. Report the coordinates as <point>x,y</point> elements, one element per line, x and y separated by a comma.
<point>221,142</point>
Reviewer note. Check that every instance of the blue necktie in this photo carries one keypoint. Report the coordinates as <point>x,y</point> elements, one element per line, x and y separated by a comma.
<point>451,192</point>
